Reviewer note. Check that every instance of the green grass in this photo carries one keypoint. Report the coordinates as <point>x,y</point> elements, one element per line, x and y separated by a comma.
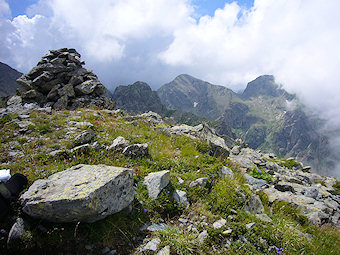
<point>185,158</point>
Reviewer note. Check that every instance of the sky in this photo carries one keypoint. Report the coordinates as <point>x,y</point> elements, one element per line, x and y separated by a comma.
<point>224,42</point>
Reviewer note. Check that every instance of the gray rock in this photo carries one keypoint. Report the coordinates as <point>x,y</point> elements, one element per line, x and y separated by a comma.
<point>67,90</point>
<point>181,197</point>
<point>58,153</point>
<point>81,149</point>
<point>14,100</point>
<point>264,217</point>
<point>254,205</point>
<point>236,150</point>
<point>17,231</point>
<point>105,250</point>
<point>156,182</point>
<point>204,132</point>
<point>82,193</point>
<point>164,251</point>
<point>227,172</point>
<point>156,227</point>
<point>202,182</point>
<point>136,150</point>
<point>202,237</point>
<point>256,183</point>
<point>61,103</point>
<point>84,137</point>
<point>250,225</point>
<point>53,95</point>
<point>86,88</point>
<point>118,144</point>
<point>283,187</point>
<point>180,180</point>
<point>271,165</point>
<point>220,223</point>
<point>152,245</point>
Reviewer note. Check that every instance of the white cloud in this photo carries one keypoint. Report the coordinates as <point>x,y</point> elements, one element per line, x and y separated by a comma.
<point>296,40</point>
<point>5,11</point>
<point>119,39</point>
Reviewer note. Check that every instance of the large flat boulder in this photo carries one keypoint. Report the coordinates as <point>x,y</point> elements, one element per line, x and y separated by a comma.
<point>81,193</point>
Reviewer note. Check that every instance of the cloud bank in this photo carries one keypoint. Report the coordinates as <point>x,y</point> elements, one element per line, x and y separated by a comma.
<point>128,40</point>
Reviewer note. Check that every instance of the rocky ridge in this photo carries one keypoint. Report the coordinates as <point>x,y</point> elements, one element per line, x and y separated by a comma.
<point>265,116</point>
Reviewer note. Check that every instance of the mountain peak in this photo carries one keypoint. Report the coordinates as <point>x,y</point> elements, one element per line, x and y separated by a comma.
<point>262,85</point>
<point>8,76</point>
<point>138,98</point>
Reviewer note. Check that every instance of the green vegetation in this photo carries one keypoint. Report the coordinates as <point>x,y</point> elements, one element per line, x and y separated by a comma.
<point>261,173</point>
<point>186,159</point>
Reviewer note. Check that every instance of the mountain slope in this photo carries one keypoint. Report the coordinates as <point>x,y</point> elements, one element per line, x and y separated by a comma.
<point>190,94</point>
<point>259,116</point>
<point>8,84</point>
<point>138,98</point>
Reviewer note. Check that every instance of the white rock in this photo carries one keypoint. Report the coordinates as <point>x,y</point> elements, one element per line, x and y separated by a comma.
<point>202,237</point>
<point>164,251</point>
<point>152,245</point>
<point>220,223</point>
<point>156,182</point>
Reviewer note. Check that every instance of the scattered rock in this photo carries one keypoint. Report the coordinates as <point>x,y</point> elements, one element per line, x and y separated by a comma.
<point>156,227</point>
<point>264,217</point>
<point>227,172</point>
<point>256,183</point>
<point>118,144</point>
<point>17,232</point>
<point>84,137</point>
<point>156,182</point>
<point>82,149</point>
<point>227,232</point>
<point>202,237</point>
<point>136,150</point>
<point>236,150</point>
<point>254,205</point>
<point>250,225</point>
<point>202,182</point>
<point>204,132</point>
<point>82,193</point>
<point>180,180</point>
<point>164,251</point>
<point>181,197</point>
<point>220,223</point>
<point>152,245</point>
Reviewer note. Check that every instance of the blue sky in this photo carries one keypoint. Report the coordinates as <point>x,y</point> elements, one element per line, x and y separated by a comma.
<point>204,7</point>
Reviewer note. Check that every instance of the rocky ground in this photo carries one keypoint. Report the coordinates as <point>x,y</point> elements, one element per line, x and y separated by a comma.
<point>101,181</point>
<point>184,190</point>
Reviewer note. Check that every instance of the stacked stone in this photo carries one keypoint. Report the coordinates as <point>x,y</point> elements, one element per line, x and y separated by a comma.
<point>60,81</point>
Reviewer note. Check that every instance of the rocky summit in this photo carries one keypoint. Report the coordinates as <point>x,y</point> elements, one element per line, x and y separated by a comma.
<point>60,81</point>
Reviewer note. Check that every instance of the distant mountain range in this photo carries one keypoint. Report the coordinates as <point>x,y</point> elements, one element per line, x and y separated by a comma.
<point>8,84</point>
<point>265,115</point>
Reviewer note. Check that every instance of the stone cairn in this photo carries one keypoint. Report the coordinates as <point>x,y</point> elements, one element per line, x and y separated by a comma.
<point>60,81</point>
